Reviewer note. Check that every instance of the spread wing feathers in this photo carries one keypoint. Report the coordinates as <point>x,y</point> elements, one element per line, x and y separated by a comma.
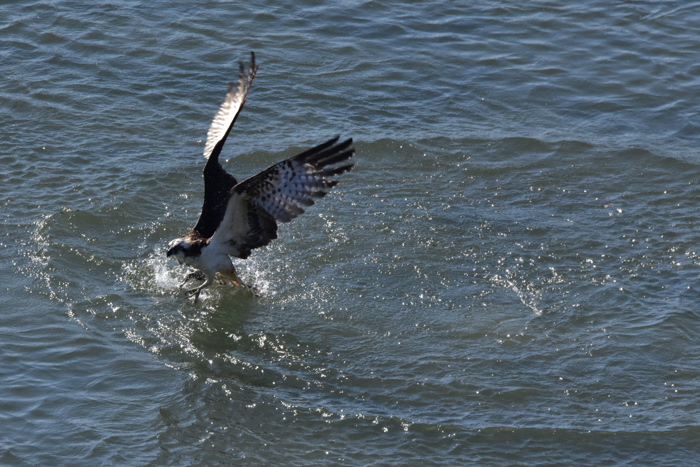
<point>285,187</point>
<point>279,193</point>
<point>217,182</point>
<point>229,110</point>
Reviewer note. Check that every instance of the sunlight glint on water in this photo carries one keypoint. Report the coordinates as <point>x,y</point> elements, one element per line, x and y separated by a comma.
<point>508,276</point>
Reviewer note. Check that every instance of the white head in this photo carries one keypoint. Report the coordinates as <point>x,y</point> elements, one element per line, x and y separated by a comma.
<point>180,249</point>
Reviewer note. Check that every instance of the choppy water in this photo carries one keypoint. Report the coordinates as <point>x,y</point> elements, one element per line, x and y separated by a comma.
<point>509,277</point>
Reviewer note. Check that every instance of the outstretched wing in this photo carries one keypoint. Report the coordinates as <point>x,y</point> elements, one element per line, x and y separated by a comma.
<point>229,110</point>
<point>279,193</point>
<point>217,182</point>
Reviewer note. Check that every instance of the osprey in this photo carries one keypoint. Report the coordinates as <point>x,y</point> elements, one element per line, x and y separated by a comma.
<point>238,217</point>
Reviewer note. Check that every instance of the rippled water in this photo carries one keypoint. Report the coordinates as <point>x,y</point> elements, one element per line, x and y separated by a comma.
<point>508,277</point>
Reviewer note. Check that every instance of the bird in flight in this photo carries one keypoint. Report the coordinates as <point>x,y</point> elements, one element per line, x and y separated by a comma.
<point>239,217</point>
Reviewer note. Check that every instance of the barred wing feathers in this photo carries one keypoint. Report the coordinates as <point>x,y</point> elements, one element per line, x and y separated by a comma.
<point>279,193</point>
<point>229,110</point>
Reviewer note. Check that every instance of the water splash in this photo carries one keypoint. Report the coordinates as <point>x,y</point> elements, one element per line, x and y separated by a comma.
<point>528,293</point>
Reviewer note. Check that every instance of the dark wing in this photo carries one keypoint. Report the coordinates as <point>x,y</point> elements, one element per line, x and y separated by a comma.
<point>278,194</point>
<point>217,182</point>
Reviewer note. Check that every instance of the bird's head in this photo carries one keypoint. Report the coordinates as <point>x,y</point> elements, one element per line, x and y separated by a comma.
<point>179,249</point>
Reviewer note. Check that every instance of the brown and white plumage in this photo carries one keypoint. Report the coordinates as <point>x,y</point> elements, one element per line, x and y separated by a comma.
<point>239,217</point>
<point>279,193</point>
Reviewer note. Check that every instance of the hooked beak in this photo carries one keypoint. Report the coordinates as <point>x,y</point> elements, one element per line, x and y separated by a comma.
<point>173,251</point>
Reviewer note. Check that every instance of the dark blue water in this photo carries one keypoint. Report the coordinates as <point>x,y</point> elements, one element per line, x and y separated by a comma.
<point>508,277</point>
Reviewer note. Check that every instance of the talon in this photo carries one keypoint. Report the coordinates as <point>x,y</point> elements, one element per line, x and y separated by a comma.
<point>194,292</point>
<point>252,290</point>
<point>193,275</point>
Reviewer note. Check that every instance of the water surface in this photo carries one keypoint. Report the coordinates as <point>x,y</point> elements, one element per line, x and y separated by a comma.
<point>509,276</point>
